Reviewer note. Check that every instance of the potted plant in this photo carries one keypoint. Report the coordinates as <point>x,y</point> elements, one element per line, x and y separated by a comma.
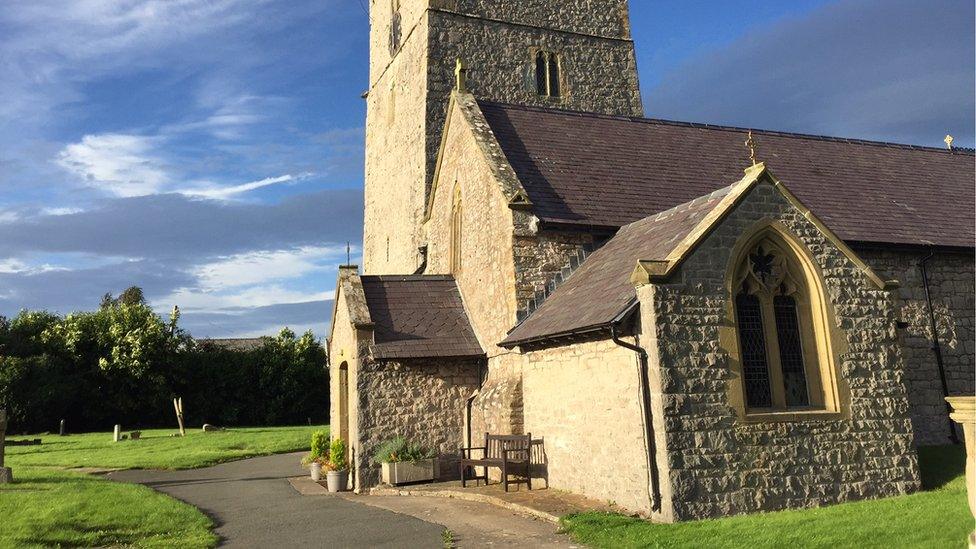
<point>317,457</point>
<point>337,478</point>
<point>405,462</point>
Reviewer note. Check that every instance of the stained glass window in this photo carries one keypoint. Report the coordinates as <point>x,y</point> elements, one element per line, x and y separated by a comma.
<point>790,351</point>
<point>753,347</point>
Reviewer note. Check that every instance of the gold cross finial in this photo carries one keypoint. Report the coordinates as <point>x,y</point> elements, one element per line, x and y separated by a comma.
<point>751,143</point>
<point>948,141</point>
<point>461,75</point>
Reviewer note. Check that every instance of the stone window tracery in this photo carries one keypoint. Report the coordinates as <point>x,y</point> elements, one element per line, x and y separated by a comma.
<point>777,308</point>
<point>547,74</point>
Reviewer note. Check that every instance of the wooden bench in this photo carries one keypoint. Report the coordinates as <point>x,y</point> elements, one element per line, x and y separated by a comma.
<point>510,453</point>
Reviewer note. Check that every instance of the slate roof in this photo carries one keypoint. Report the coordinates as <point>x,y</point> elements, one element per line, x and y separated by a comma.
<point>418,316</point>
<point>606,171</point>
<point>601,288</point>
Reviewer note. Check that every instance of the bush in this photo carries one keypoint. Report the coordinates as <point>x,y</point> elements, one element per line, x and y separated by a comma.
<point>399,449</point>
<point>337,455</point>
<point>124,364</point>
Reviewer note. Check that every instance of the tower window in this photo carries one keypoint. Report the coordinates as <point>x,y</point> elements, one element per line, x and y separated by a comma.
<point>395,26</point>
<point>547,83</point>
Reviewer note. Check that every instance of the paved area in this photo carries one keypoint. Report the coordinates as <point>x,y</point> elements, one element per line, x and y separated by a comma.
<point>541,502</point>
<point>253,505</point>
<point>471,523</point>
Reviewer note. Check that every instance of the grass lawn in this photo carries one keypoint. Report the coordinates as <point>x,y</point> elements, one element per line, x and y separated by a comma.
<point>936,517</point>
<point>48,506</point>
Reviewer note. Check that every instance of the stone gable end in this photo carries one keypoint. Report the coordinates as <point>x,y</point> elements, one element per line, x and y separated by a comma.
<point>718,463</point>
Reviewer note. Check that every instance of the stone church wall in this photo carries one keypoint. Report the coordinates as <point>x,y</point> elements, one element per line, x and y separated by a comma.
<point>486,278</point>
<point>719,464</point>
<point>583,401</point>
<point>951,277</point>
<point>422,400</point>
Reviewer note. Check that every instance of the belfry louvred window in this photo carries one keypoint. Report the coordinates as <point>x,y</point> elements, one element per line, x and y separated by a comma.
<point>773,317</point>
<point>547,83</point>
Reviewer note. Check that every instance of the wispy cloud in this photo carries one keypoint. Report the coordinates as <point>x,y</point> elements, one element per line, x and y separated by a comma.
<point>216,192</point>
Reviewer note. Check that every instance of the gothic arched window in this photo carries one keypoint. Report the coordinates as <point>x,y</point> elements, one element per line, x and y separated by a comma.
<point>456,219</point>
<point>547,83</point>
<point>780,317</point>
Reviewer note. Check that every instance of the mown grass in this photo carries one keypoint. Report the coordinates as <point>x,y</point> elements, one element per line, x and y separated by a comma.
<point>48,506</point>
<point>158,449</point>
<point>938,516</point>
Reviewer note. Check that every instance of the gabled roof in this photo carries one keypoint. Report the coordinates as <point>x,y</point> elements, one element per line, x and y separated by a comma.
<point>418,316</point>
<point>603,286</point>
<point>605,171</point>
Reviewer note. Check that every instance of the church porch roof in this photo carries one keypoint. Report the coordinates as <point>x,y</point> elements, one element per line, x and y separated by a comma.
<point>418,316</point>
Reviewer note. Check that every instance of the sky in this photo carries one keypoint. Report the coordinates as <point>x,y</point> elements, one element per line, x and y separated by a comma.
<point>211,151</point>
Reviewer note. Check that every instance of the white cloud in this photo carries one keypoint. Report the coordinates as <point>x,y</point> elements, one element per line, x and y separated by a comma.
<point>264,266</point>
<point>217,192</point>
<point>256,296</point>
<point>120,164</point>
<point>61,211</point>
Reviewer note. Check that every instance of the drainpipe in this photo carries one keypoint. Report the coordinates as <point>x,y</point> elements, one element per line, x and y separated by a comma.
<point>937,346</point>
<point>654,487</point>
<point>469,404</point>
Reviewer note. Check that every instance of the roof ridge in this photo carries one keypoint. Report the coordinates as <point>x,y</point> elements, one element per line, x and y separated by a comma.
<point>737,129</point>
<point>409,278</point>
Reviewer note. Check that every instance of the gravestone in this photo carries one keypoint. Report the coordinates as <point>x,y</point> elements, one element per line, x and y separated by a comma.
<point>6,474</point>
<point>61,430</point>
<point>117,433</point>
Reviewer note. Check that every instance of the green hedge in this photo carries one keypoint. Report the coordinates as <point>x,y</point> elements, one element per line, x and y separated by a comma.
<point>124,364</point>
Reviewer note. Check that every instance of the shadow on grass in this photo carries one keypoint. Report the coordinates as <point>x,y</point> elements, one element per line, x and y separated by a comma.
<point>68,533</point>
<point>941,464</point>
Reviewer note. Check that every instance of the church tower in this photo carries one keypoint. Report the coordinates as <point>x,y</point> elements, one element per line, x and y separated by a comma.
<point>567,54</point>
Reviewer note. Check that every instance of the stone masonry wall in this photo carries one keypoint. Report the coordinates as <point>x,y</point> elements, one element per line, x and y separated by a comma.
<point>539,257</point>
<point>486,278</point>
<point>422,400</point>
<point>583,400</point>
<point>719,464</point>
<point>951,277</point>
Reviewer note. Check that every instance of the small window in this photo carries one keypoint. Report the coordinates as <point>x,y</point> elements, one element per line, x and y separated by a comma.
<point>456,219</point>
<point>395,26</point>
<point>547,77</point>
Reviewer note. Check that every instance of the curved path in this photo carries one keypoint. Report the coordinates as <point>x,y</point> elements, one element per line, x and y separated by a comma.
<point>253,505</point>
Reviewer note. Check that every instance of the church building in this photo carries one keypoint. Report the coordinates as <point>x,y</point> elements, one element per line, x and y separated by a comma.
<point>691,320</point>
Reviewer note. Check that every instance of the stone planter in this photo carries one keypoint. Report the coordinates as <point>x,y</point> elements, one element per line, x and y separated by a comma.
<point>964,413</point>
<point>405,472</point>
<point>316,469</point>
<point>337,481</point>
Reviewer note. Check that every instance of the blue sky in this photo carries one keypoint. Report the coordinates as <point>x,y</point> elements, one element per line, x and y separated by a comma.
<point>211,151</point>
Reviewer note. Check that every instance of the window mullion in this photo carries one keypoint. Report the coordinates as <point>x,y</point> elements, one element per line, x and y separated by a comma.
<point>776,387</point>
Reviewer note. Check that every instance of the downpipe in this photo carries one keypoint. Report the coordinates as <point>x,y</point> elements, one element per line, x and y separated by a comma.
<point>654,488</point>
<point>937,345</point>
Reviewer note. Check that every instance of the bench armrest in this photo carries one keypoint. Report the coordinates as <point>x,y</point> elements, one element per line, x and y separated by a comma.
<point>468,451</point>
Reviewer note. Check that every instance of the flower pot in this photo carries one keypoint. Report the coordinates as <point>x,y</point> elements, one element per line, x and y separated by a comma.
<point>337,481</point>
<point>316,469</point>
<point>404,472</point>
